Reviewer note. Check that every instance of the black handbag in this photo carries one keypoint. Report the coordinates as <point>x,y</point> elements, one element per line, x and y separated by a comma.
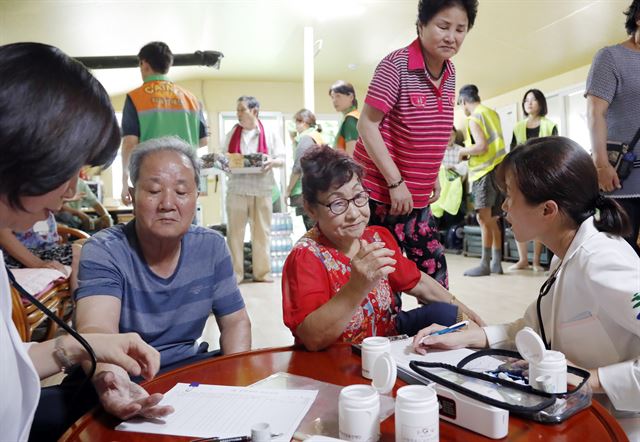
<point>518,399</point>
<point>621,156</point>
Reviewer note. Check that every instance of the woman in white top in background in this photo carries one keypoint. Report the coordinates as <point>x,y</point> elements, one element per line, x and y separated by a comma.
<point>591,309</point>
<point>54,119</point>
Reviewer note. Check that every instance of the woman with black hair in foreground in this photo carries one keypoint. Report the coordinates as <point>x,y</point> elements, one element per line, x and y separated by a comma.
<point>55,118</point>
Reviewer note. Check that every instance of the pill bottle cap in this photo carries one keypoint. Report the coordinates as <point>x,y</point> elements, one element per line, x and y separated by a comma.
<point>384,373</point>
<point>261,432</point>
<point>530,345</point>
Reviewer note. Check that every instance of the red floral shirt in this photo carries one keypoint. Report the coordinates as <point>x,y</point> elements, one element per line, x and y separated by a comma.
<point>315,271</point>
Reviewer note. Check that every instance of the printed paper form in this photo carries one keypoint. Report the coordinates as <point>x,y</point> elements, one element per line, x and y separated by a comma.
<point>403,353</point>
<point>221,411</point>
<point>36,280</point>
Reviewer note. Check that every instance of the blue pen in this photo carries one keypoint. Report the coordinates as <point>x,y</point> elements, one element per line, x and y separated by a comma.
<point>449,329</point>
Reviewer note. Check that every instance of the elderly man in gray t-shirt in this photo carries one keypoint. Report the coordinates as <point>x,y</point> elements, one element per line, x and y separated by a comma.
<point>159,276</point>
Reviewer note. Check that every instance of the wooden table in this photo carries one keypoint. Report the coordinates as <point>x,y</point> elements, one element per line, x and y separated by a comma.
<point>336,365</point>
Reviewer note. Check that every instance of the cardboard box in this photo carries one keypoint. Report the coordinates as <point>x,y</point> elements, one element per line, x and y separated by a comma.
<point>251,163</point>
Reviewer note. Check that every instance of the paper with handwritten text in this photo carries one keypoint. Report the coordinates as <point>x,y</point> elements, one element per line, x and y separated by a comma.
<point>221,411</point>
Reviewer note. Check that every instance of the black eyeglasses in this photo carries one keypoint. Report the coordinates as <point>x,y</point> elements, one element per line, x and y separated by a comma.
<point>340,205</point>
<point>544,290</point>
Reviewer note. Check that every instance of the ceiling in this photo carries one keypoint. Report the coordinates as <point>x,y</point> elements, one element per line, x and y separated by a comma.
<point>513,43</point>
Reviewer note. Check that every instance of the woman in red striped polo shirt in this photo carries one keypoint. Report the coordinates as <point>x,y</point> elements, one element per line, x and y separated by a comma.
<point>404,128</point>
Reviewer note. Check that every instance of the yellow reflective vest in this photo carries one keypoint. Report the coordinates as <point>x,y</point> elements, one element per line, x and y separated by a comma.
<point>489,122</point>
<point>520,129</point>
<point>317,137</point>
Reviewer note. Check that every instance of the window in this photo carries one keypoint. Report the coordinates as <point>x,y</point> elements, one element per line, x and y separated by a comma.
<point>328,123</point>
<point>568,109</point>
<point>576,112</point>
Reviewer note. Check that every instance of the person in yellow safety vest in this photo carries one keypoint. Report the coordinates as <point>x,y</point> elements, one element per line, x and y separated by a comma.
<point>485,150</point>
<point>534,106</point>
<point>307,136</point>
<point>343,96</point>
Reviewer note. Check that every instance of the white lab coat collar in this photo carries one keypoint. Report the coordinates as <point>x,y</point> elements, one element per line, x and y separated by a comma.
<point>586,231</point>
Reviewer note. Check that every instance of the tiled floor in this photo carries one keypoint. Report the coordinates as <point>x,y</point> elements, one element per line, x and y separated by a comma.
<point>496,298</point>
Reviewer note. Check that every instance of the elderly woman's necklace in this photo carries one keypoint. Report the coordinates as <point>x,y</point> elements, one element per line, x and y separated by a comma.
<point>430,75</point>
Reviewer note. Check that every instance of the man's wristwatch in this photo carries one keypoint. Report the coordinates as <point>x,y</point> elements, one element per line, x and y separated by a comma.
<point>61,356</point>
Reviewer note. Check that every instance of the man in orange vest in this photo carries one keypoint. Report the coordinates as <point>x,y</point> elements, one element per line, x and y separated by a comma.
<point>158,108</point>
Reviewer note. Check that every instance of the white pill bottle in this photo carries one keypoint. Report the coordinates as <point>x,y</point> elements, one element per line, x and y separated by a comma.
<point>417,414</point>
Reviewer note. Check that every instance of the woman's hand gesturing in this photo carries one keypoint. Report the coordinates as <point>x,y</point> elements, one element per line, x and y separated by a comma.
<point>372,262</point>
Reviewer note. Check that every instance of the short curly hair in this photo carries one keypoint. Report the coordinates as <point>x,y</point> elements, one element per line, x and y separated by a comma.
<point>324,168</point>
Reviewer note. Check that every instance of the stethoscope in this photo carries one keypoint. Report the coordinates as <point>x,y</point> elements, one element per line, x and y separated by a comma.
<point>544,290</point>
<point>52,316</point>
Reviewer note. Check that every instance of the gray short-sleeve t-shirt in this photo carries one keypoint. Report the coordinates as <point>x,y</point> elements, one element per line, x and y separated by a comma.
<point>168,313</point>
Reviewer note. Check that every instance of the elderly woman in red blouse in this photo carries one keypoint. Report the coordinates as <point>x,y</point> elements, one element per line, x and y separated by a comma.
<point>342,280</point>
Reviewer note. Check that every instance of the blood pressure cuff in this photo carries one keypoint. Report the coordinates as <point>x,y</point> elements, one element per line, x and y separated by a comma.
<point>521,400</point>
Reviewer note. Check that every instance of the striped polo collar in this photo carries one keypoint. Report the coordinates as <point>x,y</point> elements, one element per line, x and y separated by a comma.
<point>416,61</point>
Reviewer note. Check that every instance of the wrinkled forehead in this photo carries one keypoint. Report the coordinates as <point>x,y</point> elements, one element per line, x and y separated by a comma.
<point>341,188</point>
<point>166,161</point>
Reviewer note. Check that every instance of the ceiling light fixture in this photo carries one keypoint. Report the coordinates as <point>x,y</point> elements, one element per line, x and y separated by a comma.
<point>198,58</point>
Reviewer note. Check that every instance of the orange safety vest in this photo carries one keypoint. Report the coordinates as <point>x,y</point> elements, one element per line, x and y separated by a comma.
<point>341,143</point>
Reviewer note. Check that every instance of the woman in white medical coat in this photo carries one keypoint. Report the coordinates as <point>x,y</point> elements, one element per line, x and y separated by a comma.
<point>55,118</point>
<point>589,306</point>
